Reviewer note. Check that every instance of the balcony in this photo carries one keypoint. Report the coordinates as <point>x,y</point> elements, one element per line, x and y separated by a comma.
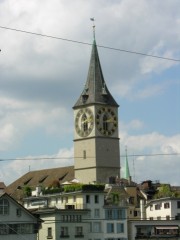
<point>71,206</point>
<point>157,236</point>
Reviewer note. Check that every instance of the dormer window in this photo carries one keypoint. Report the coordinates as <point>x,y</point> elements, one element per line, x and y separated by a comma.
<point>85,95</point>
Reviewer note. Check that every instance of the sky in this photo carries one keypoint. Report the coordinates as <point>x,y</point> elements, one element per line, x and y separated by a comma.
<point>41,78</point>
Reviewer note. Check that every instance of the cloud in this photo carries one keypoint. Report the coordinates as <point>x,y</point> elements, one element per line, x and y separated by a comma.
<point>157,162</point>
<point>20,118</point>
<point>135,124</point>
<point>17,168</point>
<point>149,65</point>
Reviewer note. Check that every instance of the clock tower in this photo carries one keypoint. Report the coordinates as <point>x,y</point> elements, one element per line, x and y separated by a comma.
<point>96,140</point>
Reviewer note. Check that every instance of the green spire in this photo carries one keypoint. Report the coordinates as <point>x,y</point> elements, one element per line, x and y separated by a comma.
<point>127,172</point>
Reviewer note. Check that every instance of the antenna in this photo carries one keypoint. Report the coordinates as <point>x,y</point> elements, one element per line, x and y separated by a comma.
<point>134,169</point>
<point>92,19</point>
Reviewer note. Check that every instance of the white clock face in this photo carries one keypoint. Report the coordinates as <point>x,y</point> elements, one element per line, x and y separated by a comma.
<point>106,121</point>
<point>84,122</point>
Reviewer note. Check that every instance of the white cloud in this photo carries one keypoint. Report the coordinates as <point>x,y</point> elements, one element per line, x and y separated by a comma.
<point>20,118</point>
<point>135,124</point>
<point>8,136</point>
<point>156,162</point>
<point>149,65</point>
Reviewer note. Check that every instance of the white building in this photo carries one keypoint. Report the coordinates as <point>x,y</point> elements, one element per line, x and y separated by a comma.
<point>163,209</point>
<point>16,222</point>
<point>153,229</point>
<point>88,214</point>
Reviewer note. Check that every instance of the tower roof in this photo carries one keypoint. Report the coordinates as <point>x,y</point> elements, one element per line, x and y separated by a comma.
<point>95,90</point>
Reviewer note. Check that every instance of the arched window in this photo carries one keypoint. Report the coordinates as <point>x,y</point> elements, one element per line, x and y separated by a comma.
<point>4,206</point>
<point>84,122</point>
<point>105,123</point>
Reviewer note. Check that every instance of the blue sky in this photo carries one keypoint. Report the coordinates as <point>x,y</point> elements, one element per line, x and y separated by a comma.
<point>41,79</point>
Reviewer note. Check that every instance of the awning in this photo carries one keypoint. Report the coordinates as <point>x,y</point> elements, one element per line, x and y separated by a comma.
<point>166,227</point>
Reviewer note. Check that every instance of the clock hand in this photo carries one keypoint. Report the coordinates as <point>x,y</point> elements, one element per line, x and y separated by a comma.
<point>111,120</point>
<point>87,120</point>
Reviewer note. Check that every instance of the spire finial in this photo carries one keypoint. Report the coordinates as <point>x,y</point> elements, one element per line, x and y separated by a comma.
<point>92,19</point>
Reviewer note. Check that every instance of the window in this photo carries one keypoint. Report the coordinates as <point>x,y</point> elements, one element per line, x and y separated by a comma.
<point>109,214</point>
<point>96,213</point>
<point>18,212</point>
<point>87,198</point>
<point>74,198</point>
<point>23,228</point>
<point>84,154</point>
<point>64,231</point>
<point>97,227</point>
<point>4,207</point>
<point>49,232</point>
<point>96,199</point>
<point>158,217</point>
<point>157,207</point>
<point>135,213</point>
<point>3,229</point>
<point>71,218</point>
<point>79,231</point>
<point>120,227</point>
<point>131,200</point>
<point>178,204</point>
<point>166,205</point>
<point>167,217</point>
<point>120,214</point>
<point>110,227</point>
<point>151,218</point>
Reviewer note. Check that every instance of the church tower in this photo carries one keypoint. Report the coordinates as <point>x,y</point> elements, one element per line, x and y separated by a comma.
<point>96,140</point>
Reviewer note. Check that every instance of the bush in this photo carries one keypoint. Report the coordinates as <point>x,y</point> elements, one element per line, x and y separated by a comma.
<point>93,187</point>
<point>52,190</point>
<point>27,191</point>
<point>73,188</point>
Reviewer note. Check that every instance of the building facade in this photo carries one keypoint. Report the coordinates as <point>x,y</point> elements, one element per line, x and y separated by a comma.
<point>163,209</point>
<point>84,214</point>
<point>16,222</point>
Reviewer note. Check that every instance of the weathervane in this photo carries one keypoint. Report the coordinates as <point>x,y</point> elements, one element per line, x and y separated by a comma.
<point>92,19</point>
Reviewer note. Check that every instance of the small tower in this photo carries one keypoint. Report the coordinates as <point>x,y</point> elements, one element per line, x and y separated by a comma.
<point>127,172</point>
<point>96,140</point>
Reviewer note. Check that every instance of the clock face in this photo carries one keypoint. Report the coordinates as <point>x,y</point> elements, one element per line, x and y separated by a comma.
<point>84,122</point>
<point>106,121</point>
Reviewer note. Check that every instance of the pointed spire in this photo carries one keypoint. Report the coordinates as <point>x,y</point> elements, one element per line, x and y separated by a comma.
<point>127,172</point>
<point>95,90</point>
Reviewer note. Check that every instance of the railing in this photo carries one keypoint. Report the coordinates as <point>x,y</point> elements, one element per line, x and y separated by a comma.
<point>157,236</point>
<point>69,206</point>
<point>79,236</point>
